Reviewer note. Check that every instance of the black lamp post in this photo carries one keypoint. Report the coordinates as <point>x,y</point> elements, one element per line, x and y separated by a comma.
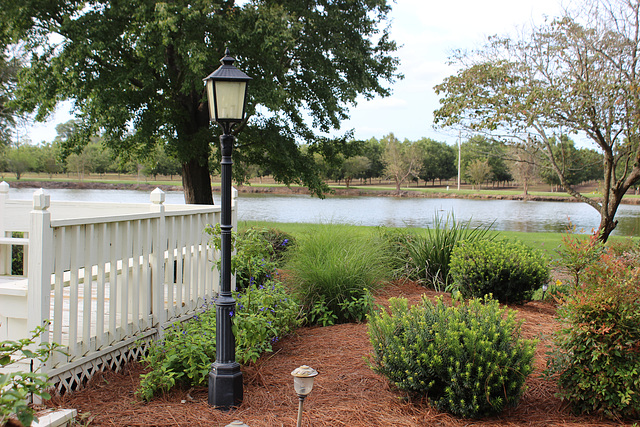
<point>226,93</point>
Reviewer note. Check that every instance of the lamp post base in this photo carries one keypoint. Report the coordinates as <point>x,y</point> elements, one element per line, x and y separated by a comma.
<point>225,385</point>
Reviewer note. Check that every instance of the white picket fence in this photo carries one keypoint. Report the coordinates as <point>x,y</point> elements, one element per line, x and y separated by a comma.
<point>107,276</point>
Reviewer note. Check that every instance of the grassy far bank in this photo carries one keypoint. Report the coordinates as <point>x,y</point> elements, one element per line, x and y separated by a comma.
<point>446,188</point>
<point>548,243</point>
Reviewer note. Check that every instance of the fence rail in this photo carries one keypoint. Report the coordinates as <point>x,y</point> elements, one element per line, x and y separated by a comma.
<point>104,275</point>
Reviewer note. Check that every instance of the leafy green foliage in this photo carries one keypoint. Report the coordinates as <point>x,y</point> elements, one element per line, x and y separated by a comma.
<point>258,252</point>
<point>579,252</point>
<point>279,241</point>
<point>184,356</point>
<point>468,359</point>
<point>429,254</point>
<point>337,268</point>
<point>15,387</point>
<point>510,271</point>
<point>597,355</point>
<point>264,314</point>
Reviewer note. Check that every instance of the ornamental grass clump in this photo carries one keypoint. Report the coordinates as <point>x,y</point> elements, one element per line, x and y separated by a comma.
<point>428,253</point>
<point>333,272</point>
<point>596,360</point>
<point>467,359</point>
<point>510,271</point>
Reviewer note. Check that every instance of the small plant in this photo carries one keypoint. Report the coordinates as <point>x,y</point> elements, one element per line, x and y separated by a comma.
<point>597,355</point>
<point>509,270</point>
<point>337,268</point>
<point>256,258</point>
<point>15,387</point>
<point>429,254</point>
<point>263,314</point>
<point>280,241</point>
<point>579,252</point>
<point>467,359</point>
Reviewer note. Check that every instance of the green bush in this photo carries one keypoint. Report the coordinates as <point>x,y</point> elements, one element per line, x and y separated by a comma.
<point>333,270</point>
<point>279,241</point>
<point>578,252</point>
<point>17,386</point>
<point>258,253</point>
<point>597,356</point>
<point>263,314</point>
<point>510,271</point>
<point>468,359</point>
<point>429,253</point>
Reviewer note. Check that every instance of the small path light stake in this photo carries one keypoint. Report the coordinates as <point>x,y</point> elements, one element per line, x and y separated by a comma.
<point>303,383</point>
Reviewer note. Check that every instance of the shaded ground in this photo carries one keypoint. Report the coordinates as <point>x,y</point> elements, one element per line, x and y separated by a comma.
<point>346,392</point>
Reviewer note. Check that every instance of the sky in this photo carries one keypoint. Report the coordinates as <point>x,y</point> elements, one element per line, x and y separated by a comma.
<point>427,31</point>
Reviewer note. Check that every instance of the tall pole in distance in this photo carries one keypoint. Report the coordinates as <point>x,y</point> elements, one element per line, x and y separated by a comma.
<point>226,92</point>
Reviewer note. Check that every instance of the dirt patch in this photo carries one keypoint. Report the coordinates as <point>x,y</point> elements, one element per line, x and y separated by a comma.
<point>346,393</point>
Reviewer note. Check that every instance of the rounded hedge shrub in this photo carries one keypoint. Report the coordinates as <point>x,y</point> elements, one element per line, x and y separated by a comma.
<point>468,359</point>
<point>510,271</point>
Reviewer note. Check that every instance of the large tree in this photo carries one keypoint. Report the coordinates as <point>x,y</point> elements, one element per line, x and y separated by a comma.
<point>401,159</point>
<point>577,74</point>
<point>134,70</point>
<point>438,160</point>
<point>10,65</point>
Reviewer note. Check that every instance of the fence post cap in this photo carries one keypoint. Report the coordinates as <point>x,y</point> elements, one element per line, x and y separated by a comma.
<point>157,196</point>
<point>4,187</point>
<point>41,201</point>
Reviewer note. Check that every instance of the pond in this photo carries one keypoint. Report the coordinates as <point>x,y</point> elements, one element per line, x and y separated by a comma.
<point>509,215</point>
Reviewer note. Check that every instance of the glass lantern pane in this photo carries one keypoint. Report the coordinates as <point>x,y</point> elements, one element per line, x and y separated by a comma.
<point>230,99</point>
<point>210,99</point>
<point>302,385</point>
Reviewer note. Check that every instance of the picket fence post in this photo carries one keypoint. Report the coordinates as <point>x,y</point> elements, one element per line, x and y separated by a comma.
<point>40,265</point>
<point>159,314</point>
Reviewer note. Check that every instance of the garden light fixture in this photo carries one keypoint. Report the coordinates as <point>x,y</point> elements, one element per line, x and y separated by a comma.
<point>226,93</point>
<point>303,383</point>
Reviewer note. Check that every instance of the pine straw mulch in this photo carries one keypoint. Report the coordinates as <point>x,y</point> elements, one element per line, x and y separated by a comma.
<point>346,392</point>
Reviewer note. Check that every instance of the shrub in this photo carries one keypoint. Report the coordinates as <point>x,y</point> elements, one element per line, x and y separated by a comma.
<point>279,241</point>
<point>16,386</point>
<point>333,270</point>
<point>597,356</point>
<point>509,270</point>
<point>263,314</point>
<point>579,252</point>
<point>468,359</point>
<point>429,254</point>
<point>258,252</point>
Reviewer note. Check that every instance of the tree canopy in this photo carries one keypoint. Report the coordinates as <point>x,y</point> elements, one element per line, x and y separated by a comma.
<point>10,64</point>
<point>134,70</point>
<point>575,74</point>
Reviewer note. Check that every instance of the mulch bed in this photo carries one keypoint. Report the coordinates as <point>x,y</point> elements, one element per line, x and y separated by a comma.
<point>346,392</point>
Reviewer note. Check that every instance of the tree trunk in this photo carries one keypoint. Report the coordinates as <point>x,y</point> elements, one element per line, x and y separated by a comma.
<point>196,183</point>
